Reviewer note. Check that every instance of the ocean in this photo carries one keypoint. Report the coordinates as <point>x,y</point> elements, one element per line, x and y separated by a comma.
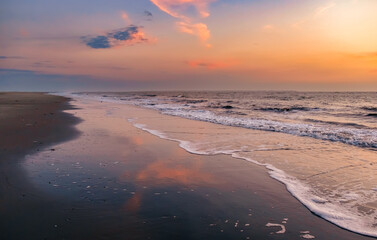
<point>349,118</point>
<point>321,145</point>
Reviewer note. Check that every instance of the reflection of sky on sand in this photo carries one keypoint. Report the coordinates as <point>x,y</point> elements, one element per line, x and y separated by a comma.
<point>131,176</point>
<point>127,174</point>
<point>165,172</point>
<point>334,180</point>
<point>133,204</point>
<point>137,140</point>
<point>115,172</point>
<point>113,162</point>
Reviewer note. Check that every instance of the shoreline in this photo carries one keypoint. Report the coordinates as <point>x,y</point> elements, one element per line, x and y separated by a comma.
<point>168,192</point>
<point>335,213</point>
<point>34,121</point>
<point>178,119</point>
<point>31,122</point>
<point>274,173</point>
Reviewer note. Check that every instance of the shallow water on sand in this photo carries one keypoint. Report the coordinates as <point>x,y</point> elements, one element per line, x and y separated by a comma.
<point>334,180</point>
<point>114,166</point>
<point>347,117</point>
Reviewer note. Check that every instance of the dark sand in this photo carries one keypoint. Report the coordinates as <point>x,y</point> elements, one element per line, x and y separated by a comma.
<point>29,122</point>
<point>118,182</point>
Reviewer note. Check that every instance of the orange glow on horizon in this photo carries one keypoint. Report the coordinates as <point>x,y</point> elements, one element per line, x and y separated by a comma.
<point>314,41</point>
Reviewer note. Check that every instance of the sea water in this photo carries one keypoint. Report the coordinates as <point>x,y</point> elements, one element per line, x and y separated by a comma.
<point>322,146</point>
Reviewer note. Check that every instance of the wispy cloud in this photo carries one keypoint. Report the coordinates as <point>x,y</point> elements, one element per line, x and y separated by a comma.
<point>125,17</point>
<point>199,29</point>
<point>148,13</point>
<point>176,8</point>
<point>318,12</point>
<point>179,9</point>
<point>97,42</point>
<point>323,9</point>
<point>121,37</point>
<point>211,65</point>
<point>13,70</point>
<point>11,57</point>
<point>268,27</point>
<point>43,64</point>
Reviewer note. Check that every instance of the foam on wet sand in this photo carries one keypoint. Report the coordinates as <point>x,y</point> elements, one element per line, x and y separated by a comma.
<point>125,167</point>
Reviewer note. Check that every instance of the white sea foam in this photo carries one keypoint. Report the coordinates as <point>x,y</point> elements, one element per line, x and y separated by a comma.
<point>277,225</point>
<point>320,206</point>
<point>306,195</point>
<point>352,136</point>
<point>348,135</point>
<point>307,236</point>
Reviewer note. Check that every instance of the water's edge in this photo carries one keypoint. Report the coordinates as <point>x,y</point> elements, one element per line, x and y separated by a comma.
<point>332,213</point>
<point>306,195</point>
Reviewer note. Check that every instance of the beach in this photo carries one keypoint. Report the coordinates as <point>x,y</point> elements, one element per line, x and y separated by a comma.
<point>89,169</point>
<point>30,122</point>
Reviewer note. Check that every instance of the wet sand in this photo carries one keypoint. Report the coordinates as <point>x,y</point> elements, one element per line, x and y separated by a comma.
<point>115,181</point>
<point>29,123</point>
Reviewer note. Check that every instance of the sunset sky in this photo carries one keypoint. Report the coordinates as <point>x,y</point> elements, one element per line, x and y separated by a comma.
<point>188,44</point>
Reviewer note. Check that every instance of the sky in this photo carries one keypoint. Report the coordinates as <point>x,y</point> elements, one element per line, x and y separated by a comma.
<point>121,45</point>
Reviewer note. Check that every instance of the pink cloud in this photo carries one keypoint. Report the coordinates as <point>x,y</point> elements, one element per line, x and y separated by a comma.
<point>178,8</point>
<point>198,29</point>
<point>125,16</point>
